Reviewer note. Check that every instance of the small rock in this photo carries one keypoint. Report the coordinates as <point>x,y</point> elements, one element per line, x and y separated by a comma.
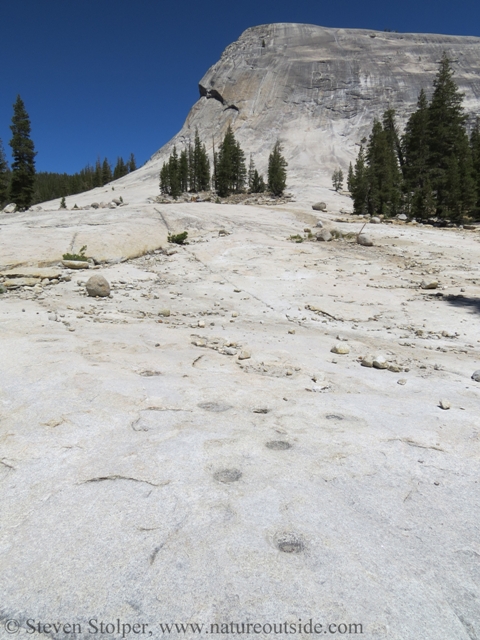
<point>402,217</point>
<point>444,404</point>
<point>234,314</point>
<point>244,354</point>
<point>201,324</point>
<point>402,381</point>
<point>165,313</point>
<point>94,205</point>
<point>394,367</point>
<point>10,208</point>
<point>431,284</point>
<point>52,316</point>
<point>291,331</point>
<point>319,206</point>
<point>379,362</point>
<point>319,224</point>
<point>97,286</point>
<point>340,348</point>
<point>230,351</point>
<point>365,240</point>
<point>367,361</point>
<point>476,375</point>
<point>76,264</point>
<point>375,220</point>
<point>324,236</point>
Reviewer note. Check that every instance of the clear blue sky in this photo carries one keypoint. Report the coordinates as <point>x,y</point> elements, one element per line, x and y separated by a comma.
<point>109,77</point>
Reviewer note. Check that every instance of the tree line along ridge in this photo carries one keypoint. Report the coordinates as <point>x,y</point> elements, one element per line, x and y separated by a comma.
<point>22,185</point>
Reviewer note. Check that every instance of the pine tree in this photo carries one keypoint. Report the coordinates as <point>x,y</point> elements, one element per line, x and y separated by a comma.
<point>4,176</point>
<point>183,171</point>
<point>258,184</point>
<point>120,169</point>
<point>475,149</point>
<point>251,173</point>
<point>131,164</point>
<point>337,179</point>
<point>416,153</point>
<point>174,174</point>
<point>277,172</point>
<point>23,151</point>
<point>449,152</point>
<point>359,185</point>
<point>106,172</point>
<point>230,171</point>
<point>98,175</point>
<point>384,176</point>
<point>165,179</point>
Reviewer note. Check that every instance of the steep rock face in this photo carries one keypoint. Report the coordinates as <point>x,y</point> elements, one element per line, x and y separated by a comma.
<point>317,89</point>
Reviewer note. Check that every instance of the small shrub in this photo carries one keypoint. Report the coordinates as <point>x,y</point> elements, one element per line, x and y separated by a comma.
<point>178,238</point>
<point>296,238</point>
<point>63,204</point>
<point>77,256</point>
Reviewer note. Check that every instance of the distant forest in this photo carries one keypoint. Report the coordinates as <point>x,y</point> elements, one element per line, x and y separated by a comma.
<point>49,186</point>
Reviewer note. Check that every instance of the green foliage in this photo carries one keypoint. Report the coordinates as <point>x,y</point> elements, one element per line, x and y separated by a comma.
<point>189,172</point>
<point>230,170</point>
<point>120,170</point>
<point>296,238</point>
<point>277,171</point>
<point>433,170</point>
<point>81,257</point>
<point>256,183</point>
<point>337,179</point>
<point>23,166</point>
<point>178,238</point>
<point>63,204</point>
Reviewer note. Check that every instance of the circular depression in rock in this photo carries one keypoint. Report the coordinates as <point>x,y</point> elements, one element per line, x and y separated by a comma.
<point>289,543</point>
<point>278,445</point>
<point>227,475</point>
<point>216,407</point>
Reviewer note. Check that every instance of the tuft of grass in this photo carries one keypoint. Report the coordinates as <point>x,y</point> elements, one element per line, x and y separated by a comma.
<point>178,238</point>
<point>78,257</point>
<point>296,238</point>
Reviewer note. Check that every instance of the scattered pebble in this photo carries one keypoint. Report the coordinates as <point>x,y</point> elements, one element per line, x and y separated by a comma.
<point>402,381</point>
<point>444,404</point>
<point>431,284</point>
<point>367,361</point>
<point>341,348</point>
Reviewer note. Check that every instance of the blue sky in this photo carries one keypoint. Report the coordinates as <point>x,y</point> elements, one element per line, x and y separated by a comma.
<point>109,77</point>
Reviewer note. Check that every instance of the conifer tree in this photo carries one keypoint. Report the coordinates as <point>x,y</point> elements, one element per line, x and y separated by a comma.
<point>106,172</point>
<point>475,148</point>
<point>4,176</point>
<point>131,164</point>
<point>450,163</point>
<point>415,150</point>
<point>174,174</point>
<point>337,179</point>
<point>23,151</point>
<point>230,171</point>
<point>258,184</point>
<point>183,171</point>
<point>120,169</point>
<point>277,171</point>
<point>98,175</point>
<point>251,173</point>
<point>358,184</point>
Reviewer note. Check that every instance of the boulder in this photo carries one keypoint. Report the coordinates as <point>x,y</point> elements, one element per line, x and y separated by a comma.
<point>402,217</point>
<point>10,208</point>
<point>112,205</point>
<point>375,220</point>
<point>97,286</point>
<point>365,240</point>
<point>476,375</point>
<point>379,362</point>
<point>431,284</point>
<point>319,224</point>
<point>94,205</point>
<point>324,236</point>
<point>341,348</point>
<point>319,206</point>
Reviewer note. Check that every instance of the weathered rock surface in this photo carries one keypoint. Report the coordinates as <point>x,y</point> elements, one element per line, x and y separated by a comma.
<point>365,240</point>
